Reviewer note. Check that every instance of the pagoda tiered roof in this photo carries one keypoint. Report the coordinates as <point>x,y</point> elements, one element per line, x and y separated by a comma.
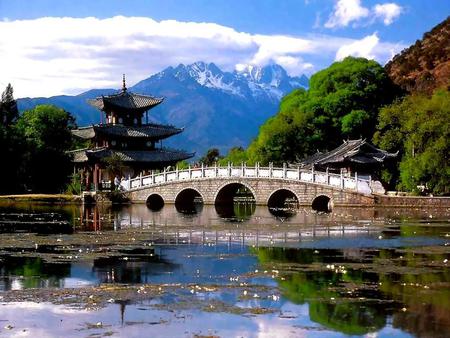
<point>354,151</point>
<point>150,131</point>
<point>163,155</point>
<point>125,101</point>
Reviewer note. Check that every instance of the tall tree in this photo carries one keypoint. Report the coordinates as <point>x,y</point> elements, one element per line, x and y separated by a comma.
<point>9,142</point>
<point>211,156</point>
<point>46,134</point>
<point>419,127</point>
<point>342,102</point>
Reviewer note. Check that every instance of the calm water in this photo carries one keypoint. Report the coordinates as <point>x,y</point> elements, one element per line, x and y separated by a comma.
<point>239,271</point>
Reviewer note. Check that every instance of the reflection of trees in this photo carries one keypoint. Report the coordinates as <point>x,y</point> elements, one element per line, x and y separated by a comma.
<point>134,270</point>
<point>424,291</point>
<point>31,273</point>
<point>330,305</point>
<point>236,211</point>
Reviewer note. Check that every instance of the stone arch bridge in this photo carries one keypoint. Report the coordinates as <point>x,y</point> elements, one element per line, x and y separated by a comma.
<point>212,183</point>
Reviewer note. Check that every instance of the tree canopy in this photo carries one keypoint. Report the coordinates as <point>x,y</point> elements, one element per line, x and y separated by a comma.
<point>342,102</point>
<point>419,127</point>
<point>45,133</point>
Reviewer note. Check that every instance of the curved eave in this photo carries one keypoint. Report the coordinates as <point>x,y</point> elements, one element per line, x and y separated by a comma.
<point>143,157</point>
<point>79,155</point>
<point>125,101</point>
<point>149,133</point>
<point>85,133</point>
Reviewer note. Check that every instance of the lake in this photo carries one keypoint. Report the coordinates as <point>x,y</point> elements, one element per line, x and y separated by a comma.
<point>236,271</point>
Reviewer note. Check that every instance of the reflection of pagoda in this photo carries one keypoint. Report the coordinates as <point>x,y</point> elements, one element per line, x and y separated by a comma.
<point>125,138</point>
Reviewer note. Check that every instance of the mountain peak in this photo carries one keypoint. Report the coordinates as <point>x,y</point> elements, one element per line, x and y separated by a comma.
<point>253,82</point>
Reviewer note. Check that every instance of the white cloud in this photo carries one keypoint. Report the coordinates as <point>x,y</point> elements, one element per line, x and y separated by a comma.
<point>51,56</point>
<point>387,12</point>
<point>361,48</point>
<point>369,47</point>
<point>346,11</point>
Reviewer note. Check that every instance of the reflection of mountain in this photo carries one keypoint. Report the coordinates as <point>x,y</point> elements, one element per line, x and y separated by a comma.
<point>354,301</point>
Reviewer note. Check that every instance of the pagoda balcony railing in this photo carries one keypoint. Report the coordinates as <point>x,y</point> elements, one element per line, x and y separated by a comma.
<point>340,181</point>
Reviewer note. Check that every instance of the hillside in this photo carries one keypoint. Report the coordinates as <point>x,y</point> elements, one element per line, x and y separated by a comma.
<point>425,65</point>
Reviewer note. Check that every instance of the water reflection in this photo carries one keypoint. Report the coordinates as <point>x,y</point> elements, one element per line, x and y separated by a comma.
<point>351,298</point>
<point>352,271</point>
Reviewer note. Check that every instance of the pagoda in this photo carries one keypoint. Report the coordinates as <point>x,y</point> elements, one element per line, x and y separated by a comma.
<point>124,137</point>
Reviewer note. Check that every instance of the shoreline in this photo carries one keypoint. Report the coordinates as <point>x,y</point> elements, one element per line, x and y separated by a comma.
<point>41,198</point>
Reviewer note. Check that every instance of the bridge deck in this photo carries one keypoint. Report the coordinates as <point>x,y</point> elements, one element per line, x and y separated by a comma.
<point>348,183</point>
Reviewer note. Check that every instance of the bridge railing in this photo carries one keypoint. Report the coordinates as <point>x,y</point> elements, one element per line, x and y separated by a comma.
<point>352,183</point>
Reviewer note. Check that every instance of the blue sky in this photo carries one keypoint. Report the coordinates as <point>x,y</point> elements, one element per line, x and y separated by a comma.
<point>61,46</point>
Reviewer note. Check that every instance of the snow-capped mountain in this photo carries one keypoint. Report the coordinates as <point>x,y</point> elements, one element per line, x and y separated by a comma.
<point>217,108</point>
<point>270,81</point>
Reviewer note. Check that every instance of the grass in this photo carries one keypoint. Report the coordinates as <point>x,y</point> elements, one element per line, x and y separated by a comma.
<point>47,198</point>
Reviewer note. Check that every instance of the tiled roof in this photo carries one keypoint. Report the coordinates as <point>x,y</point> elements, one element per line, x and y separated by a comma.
<point>84,132</point>
<point>153,131</point>
<point>79,155</point>
<point>356,151</point>
<point>126,100</point>
<point>146,156</point>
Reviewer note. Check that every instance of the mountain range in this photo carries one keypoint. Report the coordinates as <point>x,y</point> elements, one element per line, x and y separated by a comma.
<point>218,109</point>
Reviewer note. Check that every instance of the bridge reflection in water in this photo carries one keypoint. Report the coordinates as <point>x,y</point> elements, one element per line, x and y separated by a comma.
<point>245,223</point>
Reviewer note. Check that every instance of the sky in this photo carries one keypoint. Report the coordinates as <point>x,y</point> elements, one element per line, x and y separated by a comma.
<point>53,47</point>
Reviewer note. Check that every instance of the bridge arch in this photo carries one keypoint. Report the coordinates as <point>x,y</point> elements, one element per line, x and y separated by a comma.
<point>187,195</point>
<point>322,202</point>
<point>283,201</point>
<point>189,200</point>
<point>155,202</point>
<point>224,192</point>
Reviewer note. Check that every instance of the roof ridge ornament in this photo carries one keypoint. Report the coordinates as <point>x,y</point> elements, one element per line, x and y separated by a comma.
<point>124,87</point>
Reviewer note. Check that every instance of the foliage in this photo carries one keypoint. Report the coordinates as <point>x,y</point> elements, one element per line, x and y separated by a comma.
<point>419,127</point>
<point>75,186</point>
<point>236,155</point>
<point>115,166</point>
<point>342,102</point>
<point>8,107</point>
<point>45,133</point>
<point>183,165</point>
<point>211,157</point>
<point>10,143</point>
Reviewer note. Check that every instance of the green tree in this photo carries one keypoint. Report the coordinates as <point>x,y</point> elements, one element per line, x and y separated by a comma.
<point>235,155</point>
<point>8,107</point>
<point>342,102</point>
<point>211,157</point>
<point>419,127</point>
<point>10,143</point>
<point>46,135</point>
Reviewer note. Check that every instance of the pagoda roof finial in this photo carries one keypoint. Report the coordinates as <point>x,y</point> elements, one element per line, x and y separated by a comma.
<point>124,87</point>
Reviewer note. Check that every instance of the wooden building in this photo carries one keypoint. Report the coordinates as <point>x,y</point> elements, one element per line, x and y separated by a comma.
<point>124,137</point>
<point>351,156</point>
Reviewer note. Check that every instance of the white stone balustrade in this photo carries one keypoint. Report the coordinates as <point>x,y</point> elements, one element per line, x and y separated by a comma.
<point>254,172</point>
